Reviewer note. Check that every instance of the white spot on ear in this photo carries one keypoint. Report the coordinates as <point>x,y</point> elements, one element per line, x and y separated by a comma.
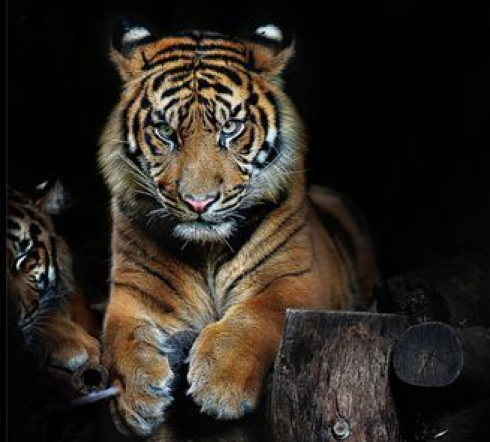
<point>135,34</point>
<point>42,186</point>
<point>271,32</point>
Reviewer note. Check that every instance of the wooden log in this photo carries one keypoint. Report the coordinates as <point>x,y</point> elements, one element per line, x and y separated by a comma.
<point>434,354</point>
<point>331,378</point>
<point>455,291</point>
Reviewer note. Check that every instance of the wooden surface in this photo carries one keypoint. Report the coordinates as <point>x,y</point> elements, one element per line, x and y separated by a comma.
<point>428,355</point>
<point>435,354</point>
<point>455,291</point>
<point>332,371</point>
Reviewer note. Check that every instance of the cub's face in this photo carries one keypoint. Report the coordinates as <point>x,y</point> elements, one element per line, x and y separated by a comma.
<point>37,259</point>
<point>31,256</point>
<point>202,130</point>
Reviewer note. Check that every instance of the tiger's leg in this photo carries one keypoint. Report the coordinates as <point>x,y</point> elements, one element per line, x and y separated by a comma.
<point>64,344</point>
<point>231,357</point>
<point>136,353</point>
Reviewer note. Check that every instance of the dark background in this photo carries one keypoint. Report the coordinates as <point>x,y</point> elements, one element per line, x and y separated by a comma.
<point>395,95</point>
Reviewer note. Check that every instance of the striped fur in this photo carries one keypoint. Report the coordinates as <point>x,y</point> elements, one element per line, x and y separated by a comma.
<point>213,229</point>
<point>43,297</point>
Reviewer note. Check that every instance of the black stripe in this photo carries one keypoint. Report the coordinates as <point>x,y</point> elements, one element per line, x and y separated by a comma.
<point>266,257</point>
<point>132,156</point>
<point>154,149</point>
<point>158,81</point>
<point>248,147</point>
<point>144,295</point>
<point>236,110</point>
<point>172,90</point>
<point>135,125</point>
<point>252,99</point>
<point>130,257</point>
<point>13,225</point>
<point>12,238</point>
<point>218,87</point>
<point>145,103</point>
<point>193,47</point>
<point>163,61</point>
<point>171,103</point>
<point>272,99</point>
<point>264,122</point>
<point>224,102</point>
<point>285,275</point>
<point>216,47</point>
<point>172,73</point>
<point>226,58</point>
<point>227,72</point>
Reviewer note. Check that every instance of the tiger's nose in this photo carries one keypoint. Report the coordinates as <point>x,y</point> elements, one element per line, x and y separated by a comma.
<point>198,203</point>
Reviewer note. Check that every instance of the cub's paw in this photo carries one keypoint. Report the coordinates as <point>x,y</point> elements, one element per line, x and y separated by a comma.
<point>224,374</point>
<point>143,373</point>
<point>67,346</point>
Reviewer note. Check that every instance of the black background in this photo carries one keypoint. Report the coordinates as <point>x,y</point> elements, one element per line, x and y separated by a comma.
<point>395,95</point>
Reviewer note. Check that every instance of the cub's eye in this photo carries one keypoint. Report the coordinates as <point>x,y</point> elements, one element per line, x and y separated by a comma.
<point>164,131</point>
<point>230,130</point>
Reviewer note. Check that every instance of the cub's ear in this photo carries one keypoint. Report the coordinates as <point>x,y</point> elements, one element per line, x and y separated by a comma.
<point>52,197</point>
<point>268,52</point>
<point>128,40</point>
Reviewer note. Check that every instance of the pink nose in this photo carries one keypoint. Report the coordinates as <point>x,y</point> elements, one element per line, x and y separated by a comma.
<point>199,204</point>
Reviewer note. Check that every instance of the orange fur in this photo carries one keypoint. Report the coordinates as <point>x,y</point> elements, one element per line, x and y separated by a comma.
<point>230,277</point>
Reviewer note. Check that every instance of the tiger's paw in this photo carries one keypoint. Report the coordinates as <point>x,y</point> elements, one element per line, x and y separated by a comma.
<point>66,346</point>
<point>144,375</point>
<point>224,378</point>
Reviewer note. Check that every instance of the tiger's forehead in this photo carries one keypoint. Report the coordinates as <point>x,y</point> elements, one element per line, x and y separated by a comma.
<point>194,46</point>
<point>198,74</point>
<point>200,62</point>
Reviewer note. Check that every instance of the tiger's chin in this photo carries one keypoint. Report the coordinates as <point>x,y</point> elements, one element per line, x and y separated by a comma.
<point>202,232</point>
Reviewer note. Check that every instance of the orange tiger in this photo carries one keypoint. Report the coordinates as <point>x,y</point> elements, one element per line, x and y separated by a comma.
<point>213,227</point>
<point>44,299</point>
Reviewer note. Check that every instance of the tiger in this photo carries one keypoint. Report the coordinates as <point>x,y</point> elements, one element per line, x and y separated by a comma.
<point>44,300</point>
<point>214,228</point>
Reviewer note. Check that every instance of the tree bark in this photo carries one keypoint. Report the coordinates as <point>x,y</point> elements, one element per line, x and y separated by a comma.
<point>331,378</point>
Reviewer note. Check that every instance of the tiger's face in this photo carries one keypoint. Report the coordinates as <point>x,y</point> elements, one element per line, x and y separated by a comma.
<point>203,130</point>
<point>32,252</point>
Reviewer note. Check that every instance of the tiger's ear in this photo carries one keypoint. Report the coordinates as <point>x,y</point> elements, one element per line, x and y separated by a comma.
<point>52,197</point>
<point>128,39</point>
<point>268,53</point>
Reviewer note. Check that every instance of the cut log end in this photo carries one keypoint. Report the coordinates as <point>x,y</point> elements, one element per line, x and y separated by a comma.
<point>428,355</point>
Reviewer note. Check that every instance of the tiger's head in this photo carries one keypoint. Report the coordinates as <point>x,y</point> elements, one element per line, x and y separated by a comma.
<point>35,255</point>
<point>203,132</point>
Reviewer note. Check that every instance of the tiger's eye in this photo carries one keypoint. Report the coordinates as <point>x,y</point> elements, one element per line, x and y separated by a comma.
<point>230,130</point>
<point>230,127</point>
<point>164,131</point>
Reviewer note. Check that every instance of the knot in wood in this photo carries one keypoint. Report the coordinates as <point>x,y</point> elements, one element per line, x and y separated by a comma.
<point>341,429</point>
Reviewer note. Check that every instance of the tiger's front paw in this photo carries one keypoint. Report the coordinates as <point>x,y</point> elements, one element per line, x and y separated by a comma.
<point>142,371</point>
<point>67,346</point>
<point>225,377</point>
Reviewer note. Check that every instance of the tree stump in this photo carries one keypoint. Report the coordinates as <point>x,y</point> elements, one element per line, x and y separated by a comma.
<point>331,378</point>
<point>436,355</point>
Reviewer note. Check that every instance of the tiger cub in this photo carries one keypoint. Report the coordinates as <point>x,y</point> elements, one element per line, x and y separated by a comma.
<point>213,228</point>
<point>43,297</point>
